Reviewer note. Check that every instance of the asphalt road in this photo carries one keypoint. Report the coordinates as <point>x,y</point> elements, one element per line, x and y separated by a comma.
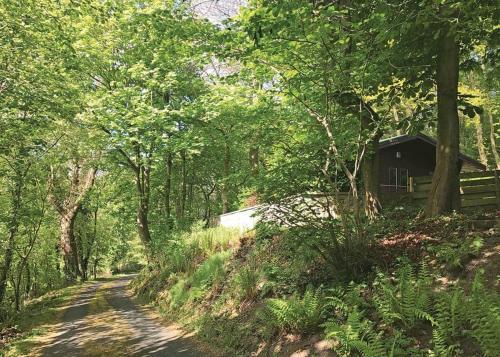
<point>104,321</point>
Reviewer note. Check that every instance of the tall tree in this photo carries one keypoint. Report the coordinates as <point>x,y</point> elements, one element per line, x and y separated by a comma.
<point>427,53</point>
<point>36,89</point>
<point>444,194</point>
<point>139,102</point>
<point>16,193</point>
<point>68,204</point>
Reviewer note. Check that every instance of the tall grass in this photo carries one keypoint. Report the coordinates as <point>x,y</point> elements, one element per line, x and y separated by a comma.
<point>192,262</point>
<point>213,240</point>
<point>246,283</point>
<point>195,286</point>
<point>186,250</point>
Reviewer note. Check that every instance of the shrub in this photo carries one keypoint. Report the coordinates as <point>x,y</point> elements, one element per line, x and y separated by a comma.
<point>266,230</point>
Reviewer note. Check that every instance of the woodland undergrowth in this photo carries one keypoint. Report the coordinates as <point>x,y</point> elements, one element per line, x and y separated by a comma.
<point>418,296</point>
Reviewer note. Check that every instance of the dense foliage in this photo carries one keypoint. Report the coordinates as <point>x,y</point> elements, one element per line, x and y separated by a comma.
<point>127,127</point>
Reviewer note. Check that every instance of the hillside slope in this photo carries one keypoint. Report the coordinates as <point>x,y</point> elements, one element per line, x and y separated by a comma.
<point>430,288</point>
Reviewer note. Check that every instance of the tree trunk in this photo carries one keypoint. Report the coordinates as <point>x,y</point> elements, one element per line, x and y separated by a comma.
<point>183,185</point>
<point>225,180</point>
<point>483,158</point>
<point>85,266</point>
<point>355,210</point>
<point>23,263</point>
<point>28,281</point>
<point>493,142</point>
<point>90,245</point>
<point>370,164</point>
<point>168,186</point>
<point>17,285</point>
<point>142,177</point>
<point>67,244</point>
<point>12,229</point>
<point>206,213</point>
<point>34,284</point>
<point>96,262</point>
<point>444,194</point>
<point>7,264</point>
<point>68,209</point>
<point>370,171</point>
<point>190,195</point>
<point>143,224</point>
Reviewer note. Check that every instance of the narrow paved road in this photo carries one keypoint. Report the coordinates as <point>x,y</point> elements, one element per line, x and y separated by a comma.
<point>104,321</point>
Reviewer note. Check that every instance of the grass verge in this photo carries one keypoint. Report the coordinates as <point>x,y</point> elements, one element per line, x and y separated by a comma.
<point>39,316</point>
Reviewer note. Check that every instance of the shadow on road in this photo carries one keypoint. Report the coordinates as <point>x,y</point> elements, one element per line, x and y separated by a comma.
<point>104,321</point>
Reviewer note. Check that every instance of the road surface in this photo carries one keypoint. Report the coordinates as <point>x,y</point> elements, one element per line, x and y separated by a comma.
<point>104,321</point>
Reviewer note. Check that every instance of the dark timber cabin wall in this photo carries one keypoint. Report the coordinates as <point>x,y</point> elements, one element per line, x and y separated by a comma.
<point>412,156</point>
<point>417,157</point>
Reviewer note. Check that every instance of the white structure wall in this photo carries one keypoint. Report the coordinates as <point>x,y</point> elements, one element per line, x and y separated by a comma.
<point>244,219</point>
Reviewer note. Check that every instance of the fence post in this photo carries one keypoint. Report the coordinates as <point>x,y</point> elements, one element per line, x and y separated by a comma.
<point>411,188</point>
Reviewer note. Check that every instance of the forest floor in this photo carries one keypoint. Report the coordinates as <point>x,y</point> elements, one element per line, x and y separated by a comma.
<point>101,319</point>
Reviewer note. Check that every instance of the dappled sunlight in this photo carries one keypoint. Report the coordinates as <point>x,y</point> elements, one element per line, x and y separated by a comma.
<point>105,332</point>
<point>104,321</point>
<point>249,178</point>
<point>150,337</point>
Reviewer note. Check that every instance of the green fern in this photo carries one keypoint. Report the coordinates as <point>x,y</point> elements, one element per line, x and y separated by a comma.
<point>483,313</point>
<point>449,314</point>
<point>356,335</point>
<point>342,301</point>
<point>442,348</point>
<point>408,300</point>
<point>295,313</point>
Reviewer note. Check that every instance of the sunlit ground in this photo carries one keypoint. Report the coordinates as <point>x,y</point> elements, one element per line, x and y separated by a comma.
<point>103,321</point>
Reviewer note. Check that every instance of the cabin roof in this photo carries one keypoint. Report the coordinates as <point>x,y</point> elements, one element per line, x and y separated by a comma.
<point>426,139</point>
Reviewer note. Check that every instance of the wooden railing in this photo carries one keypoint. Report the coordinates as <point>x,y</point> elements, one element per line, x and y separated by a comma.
<point>476,188</point>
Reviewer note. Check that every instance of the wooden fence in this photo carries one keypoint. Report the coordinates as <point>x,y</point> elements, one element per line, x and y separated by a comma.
<point>476,189</point>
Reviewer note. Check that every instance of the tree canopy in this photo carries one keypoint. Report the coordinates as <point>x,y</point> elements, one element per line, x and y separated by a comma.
<point>123,122</point>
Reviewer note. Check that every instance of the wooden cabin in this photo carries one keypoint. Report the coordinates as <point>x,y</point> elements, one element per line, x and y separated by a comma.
<point>412,155</point>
